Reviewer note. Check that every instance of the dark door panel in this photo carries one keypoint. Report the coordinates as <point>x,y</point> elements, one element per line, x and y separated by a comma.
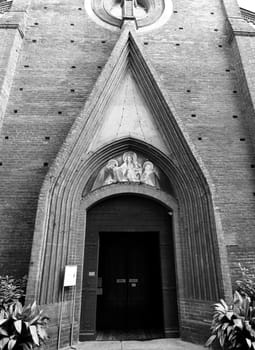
<point>112,272</point>
<point>130,271</point>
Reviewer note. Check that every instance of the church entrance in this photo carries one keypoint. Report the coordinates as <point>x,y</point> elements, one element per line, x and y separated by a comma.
<point>129,281</point>
<point>130,305</point>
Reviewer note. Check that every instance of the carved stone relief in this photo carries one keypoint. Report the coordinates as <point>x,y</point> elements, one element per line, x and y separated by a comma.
<point>128,168</point>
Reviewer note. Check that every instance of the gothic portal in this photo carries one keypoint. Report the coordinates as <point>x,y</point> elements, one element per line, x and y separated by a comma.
<point>127,152</point>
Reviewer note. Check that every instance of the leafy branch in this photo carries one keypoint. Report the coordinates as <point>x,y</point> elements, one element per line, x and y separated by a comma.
<point>22,327</point>
<point>11,290</point>
<point>233,326</point>
<point>246,284</point>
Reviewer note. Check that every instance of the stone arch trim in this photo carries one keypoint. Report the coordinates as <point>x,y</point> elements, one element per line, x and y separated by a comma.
<point>64,226</point>
<point>105,192</point>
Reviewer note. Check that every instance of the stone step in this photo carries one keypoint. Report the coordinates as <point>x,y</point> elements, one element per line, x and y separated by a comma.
<point>159,344</point>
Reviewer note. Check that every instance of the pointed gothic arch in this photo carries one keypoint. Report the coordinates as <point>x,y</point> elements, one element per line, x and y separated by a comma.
<point>197,250</point>
<point>60,225</point>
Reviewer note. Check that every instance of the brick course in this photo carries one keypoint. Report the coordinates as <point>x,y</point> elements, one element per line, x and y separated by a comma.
<point>208,75</point>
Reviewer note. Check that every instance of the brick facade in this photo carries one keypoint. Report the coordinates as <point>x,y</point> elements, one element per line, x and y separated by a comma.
<point>51,56</point>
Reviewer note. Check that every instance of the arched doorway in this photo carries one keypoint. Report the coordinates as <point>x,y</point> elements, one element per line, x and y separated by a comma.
<point>60,239</point>
<point>129,282</point>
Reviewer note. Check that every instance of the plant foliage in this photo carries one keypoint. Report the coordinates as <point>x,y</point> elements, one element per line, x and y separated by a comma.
<point>11,290</point>
<point>233,326</point>
<point>22,328</point>
<point>246,284</point>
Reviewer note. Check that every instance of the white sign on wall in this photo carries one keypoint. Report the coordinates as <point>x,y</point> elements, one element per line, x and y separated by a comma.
<point>70,275</point>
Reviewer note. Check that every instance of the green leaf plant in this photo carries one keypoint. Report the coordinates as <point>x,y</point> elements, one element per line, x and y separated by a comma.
<point>22,328</point>
<point>233,326</point>
<point>11,290</point>
<point>246,284</point>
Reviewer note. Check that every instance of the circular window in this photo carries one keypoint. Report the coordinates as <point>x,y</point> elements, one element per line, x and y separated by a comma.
<point>149,14</point>
<point>115,9</point>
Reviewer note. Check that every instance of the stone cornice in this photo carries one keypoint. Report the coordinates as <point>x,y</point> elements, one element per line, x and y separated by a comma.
<point>12,26</point>
<point>249,16</point>
<point>5,6</point>
<point>239,27</point>
<point>14,20</point>
<point>236,24</point>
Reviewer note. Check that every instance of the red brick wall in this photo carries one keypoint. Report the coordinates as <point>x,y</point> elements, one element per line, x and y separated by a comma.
<point>41,110</point>
<point>63,50</point>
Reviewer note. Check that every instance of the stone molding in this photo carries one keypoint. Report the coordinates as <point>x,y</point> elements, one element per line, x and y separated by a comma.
<point>249,16</point>
<point>12,26</point>
<point>14,20</point>
<point>5,6</point>
<point>99,194</point>
<point>239,27</point>
<point>236,23</point>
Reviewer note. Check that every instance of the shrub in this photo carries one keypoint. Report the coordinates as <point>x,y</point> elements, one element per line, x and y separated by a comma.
<point>246,284</point>
<point>22,327</point>
<point>233,325</point>
<point>11,290</point>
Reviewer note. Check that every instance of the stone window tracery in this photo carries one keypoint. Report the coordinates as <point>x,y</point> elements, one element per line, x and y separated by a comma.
<point>116,8</point>
<point>146,13</point>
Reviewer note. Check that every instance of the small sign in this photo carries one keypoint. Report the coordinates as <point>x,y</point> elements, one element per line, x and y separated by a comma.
<point>99,291</point>
<point>120,280</point>
<point>133,280</point>
<point>92,274</point>
<point>70,275</point>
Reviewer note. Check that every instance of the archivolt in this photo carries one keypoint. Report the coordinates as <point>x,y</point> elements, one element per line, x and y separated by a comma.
<point>65,227</point>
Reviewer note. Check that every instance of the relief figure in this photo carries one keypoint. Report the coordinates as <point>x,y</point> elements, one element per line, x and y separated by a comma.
<point>127,169</point>
<point>130,170</point>
<point>149,176</point>
<point>107,175</point>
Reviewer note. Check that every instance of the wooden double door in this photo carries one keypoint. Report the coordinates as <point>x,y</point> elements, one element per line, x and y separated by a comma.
<point>129,279</point>
<point>130,282</point>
